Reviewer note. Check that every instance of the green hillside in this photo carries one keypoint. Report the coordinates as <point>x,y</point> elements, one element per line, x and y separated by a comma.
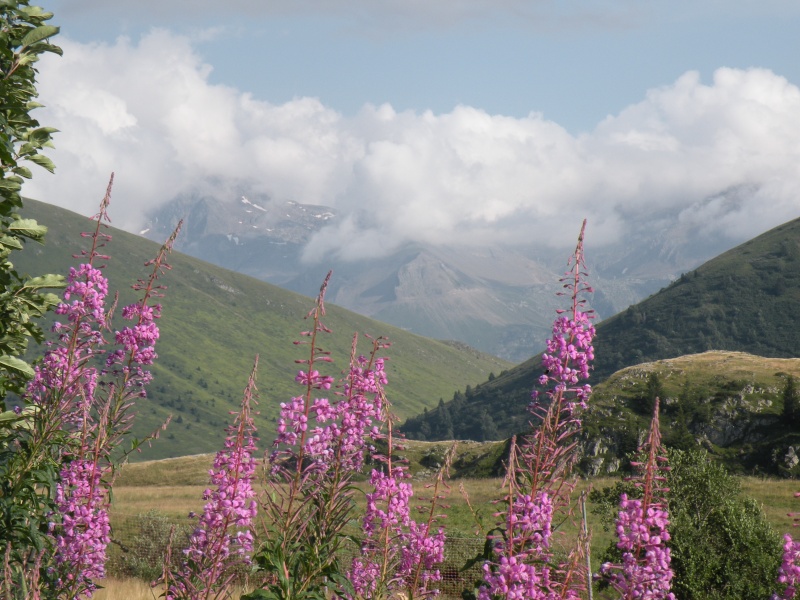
<point>216,321</point>
<point>731,403</point>
<point>743,300</point>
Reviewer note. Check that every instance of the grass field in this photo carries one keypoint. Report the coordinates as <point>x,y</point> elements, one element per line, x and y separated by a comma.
<point>184,494</point>
<point>133,589</point>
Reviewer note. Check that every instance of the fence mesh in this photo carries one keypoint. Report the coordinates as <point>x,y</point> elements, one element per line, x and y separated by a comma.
<point>140,542</point>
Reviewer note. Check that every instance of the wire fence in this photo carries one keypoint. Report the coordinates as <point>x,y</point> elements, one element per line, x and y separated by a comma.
<point>140,542</point>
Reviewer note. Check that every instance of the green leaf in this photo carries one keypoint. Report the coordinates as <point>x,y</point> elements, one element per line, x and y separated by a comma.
<point>260,595</point>
<point>10,184</point>
<point>11,242</point>
<point>29,228</point>
<point>45,281</point>
<point>40,33</point>
<point>23,172</point>
<point>27,58</point>
<point>36,11</point>
<point>16,365</point>
<point>42,134</point>
<point>50,48</point>
<point>9,417</point>
<point>42,161</point>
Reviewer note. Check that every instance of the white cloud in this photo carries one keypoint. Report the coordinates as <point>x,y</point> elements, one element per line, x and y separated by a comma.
<point>148,111</point>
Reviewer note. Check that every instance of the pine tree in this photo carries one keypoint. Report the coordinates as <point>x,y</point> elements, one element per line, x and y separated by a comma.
<point>443,423</point>
<point>489,431</point>
<point>654,390</point>
<point>791,401</point>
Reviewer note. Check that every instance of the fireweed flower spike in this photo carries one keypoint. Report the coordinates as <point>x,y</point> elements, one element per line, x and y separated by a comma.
<point>398,555</point>
<point>88,410</point>
<point>789,571</point>
<point>645,571</point>
<point>223,539</point>
<point>322,437</point>
<point>540,464</point>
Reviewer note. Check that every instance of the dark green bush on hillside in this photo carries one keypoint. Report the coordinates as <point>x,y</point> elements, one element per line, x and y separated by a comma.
<point>722,546</point>
<point>142,556</point>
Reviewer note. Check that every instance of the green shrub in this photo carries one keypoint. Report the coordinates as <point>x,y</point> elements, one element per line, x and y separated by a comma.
<point>722,546</point>
<point>143,554</point>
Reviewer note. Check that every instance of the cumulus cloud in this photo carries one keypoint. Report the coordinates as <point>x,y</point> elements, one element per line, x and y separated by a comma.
<point>148,111</point>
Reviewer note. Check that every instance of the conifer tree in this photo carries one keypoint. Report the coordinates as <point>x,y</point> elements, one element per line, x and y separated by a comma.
<point>791,401</point>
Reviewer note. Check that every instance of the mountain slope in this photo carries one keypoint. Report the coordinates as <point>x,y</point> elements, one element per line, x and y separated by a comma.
<point>498,299</point>
<point>731,403</point>
<point>216,321</point>
<point>744,300</point>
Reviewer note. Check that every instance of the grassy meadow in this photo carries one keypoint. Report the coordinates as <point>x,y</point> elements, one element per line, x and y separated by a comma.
<point>135,589</point>
<point>174,487</point>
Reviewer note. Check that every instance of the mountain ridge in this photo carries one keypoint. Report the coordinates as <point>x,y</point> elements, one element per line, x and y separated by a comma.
<point>745,299</point>
<point>498,299</point>
<point>215,323</point>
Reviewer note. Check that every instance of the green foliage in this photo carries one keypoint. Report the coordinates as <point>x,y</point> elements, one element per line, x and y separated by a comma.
<point>655,389</point>
<point>722,546</point>
<point>27,474</point>
<point>24,35</point>
<point>221,318</point>
<point>743,300</point>
<point>143,556</point>
<point>791,401</point>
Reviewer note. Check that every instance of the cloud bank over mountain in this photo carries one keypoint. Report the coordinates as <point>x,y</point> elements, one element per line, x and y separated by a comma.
<point>148,110</point>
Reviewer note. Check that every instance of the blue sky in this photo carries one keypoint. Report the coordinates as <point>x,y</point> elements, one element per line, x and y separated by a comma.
<point>575,65</point>
<point>508,114</point>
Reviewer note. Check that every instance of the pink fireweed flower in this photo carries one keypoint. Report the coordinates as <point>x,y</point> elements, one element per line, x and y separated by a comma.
<point>645,571</point>
<point>321,442</point>
<point>521,570</point>
<point>402,552</point>
<point>641,529</point>
<point>85,530</point>
<point>64,387</point>
<point>314,379</point>
<point>567,360</point>
<point>64,382</point>
<point>393,540</point>
<point>223,539</point>
<point>789,571</point>
<point>422,549</point>
<point>569,353</point>
<point>333,429</point>
<point>539,466</point>
<point>88,407</point>
<point>514,579</point>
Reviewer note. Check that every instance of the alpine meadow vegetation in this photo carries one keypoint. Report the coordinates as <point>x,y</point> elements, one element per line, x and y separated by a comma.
<point>288,525</point>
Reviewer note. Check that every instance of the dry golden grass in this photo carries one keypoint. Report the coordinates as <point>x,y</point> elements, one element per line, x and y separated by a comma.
<point>173,500</point>
<point>176,501</point>
<point>184,470</point>
<point>126,589</point>
<point>134,589</point>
